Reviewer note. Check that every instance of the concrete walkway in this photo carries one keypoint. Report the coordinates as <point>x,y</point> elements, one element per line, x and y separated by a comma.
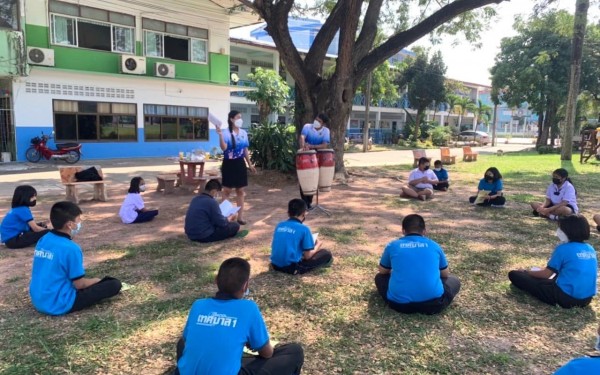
<point>44,175</point>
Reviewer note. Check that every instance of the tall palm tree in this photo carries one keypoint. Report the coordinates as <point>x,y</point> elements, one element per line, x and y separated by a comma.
<point>465,105</point>
<point>483,112</point>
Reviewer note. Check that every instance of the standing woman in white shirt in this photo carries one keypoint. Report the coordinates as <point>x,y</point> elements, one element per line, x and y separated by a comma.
<point>421,181</point>
<point>234,143</point>
<point>133,210</point>
<point>561,197</point>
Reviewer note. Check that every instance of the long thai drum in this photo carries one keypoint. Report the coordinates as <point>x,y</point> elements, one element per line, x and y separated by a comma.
<point>307,168</point>
<point>326,159</point>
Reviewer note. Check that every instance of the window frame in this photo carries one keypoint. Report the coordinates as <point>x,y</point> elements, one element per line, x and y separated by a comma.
<point>190,40</point>
<point>17,20</point>
<point>98,126</point>
<point>178,124</point>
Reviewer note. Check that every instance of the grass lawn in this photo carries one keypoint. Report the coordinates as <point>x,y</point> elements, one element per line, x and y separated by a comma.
<point>336,313</point>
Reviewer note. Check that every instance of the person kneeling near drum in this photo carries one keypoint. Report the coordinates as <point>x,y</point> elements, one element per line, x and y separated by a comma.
<point>421,181</point>
<point>294,248</point>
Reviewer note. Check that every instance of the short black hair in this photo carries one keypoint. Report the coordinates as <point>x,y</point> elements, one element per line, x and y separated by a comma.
<point>323,118</point>
<point>576,227</point>
<point>495,172</point>
<point>213,184</point>
<point>296,207</point>
<point>63,212</point>
<point>134,185</point>
<point>437,162</point>
<point>233,273</point>
<point>423,160</point>
<point>413,224</point>
<point>22,196</point>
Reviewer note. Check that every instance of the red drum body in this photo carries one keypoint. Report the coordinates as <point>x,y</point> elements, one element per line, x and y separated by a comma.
<point>307,168</point>
<point>326,158</point>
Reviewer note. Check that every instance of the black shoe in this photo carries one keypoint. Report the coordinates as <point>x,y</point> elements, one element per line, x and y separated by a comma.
<point>535,213</point>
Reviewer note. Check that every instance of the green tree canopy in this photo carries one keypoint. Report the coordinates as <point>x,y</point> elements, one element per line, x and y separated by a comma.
<point>271,94</point>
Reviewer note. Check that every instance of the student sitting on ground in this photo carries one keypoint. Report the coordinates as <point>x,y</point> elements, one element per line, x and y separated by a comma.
<point>293,249</point>
<point>569,279</point>
<point>583,365</point>
<point>561,197</point>
<point>442,175</point>
<point>204,221</point>
<point>490,186</point>
<point>18,229</point>
<point>420,181</point>
<point>413,272</point>
<point>133,210</point>
<point>218,328</point>
<point>58,285</point>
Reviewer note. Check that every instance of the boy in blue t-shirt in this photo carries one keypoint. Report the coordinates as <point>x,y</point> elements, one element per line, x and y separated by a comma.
<point>218,328</point>
<point>575,263</point>
<point>58,285</point>
<point>413,272</point>
<point>442,176</point>
<point>293,249</point>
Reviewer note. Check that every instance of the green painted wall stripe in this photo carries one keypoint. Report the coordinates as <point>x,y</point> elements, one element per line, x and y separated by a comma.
<point>85,60</point>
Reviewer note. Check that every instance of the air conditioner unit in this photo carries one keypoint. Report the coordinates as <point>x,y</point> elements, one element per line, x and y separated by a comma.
<point>164,70</point>
<point>133,64</point>
<point>40,56</point>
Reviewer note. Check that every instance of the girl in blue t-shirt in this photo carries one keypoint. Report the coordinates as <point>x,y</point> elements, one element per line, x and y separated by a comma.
<point>491,185</point>
<point>234,143</point>
<point>569,278</point>
<point>18,229</point>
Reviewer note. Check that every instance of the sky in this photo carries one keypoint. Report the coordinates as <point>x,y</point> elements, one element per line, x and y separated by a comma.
<point>472,65</point>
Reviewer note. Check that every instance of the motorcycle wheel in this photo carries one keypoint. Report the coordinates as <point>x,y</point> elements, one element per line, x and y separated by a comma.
<point>33,155</point>
<point>73,157</point>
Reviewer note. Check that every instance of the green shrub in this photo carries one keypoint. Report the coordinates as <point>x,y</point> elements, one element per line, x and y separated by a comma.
<point>273,146</point>
<point>548,150</point>
<point>440,135</point>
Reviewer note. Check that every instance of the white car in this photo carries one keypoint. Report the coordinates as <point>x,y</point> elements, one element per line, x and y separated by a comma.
<point>481,138</point>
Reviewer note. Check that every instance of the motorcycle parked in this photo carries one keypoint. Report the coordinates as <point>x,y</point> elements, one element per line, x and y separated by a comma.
<point>69,152</point>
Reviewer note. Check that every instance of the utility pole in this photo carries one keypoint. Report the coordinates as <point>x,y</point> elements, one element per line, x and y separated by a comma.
<point>367,106</point>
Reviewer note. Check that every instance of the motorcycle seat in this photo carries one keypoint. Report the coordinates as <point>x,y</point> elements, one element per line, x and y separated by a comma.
<point>67,145</point>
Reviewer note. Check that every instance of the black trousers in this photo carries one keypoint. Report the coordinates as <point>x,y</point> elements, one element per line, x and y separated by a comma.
<point>287,359</point>
<point>320,259</point>
<point>145,216</point>
<point>222,233</point>
<point>441,186</point>
<point>545,290</point>
<point>25,239</point>
<point>498,201</point>
<point>306,198</point>
<point>105,288</point>
<point>434,306</point>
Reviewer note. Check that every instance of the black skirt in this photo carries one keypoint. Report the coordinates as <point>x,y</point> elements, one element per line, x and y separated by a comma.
<point>234,173</point>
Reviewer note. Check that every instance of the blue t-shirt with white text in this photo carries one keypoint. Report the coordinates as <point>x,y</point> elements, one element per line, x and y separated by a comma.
<point>57,262</point>
<point>580,366</point>
<point>15,222</point>
<point>290,239</point>
<point>315,137</point>
<point>215,335</point>
<point>241,143</point>
<point>416,262</point>
<point>577,267</point>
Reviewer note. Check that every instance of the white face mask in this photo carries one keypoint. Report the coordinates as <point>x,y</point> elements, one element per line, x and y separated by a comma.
<point>142,187</point>
<point>317,124</point>
<point>437,169</point>
<point>561,235</point>
<point>238,123</point>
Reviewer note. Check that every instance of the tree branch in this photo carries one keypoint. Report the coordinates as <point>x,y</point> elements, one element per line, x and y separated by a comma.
<point>405,38</point>
<point>316,54</point>
<point>348,29</point>
<point>368,30</point>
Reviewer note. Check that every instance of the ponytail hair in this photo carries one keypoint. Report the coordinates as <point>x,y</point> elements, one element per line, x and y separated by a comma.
<point>563,173</point>
<point>230,116</point>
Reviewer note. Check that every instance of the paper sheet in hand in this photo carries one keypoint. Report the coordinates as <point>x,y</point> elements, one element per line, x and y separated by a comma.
<point>228,209</point>
<point>212,118</point>
<point>247,353</point>
<point>315,236</point>
<point>481,196</point>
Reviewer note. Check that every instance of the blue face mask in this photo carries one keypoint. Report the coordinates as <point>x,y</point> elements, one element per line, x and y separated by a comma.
<point>76,230</point>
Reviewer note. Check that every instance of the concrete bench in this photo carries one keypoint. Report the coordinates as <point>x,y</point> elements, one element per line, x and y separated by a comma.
<point>468,154</point>
<point>166,183</point>
<point>68,179</point>
<point>418,154</point>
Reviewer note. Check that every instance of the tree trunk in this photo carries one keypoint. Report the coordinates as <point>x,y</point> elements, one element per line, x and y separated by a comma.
<point>417,129</point>
<point>551,110</point>
<point>581,10</point>
<point>541,120</point>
